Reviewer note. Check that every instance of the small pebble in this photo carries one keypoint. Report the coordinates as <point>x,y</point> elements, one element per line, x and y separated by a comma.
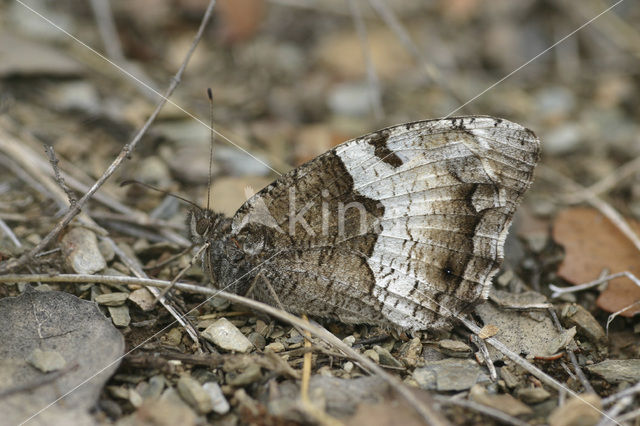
<point>454,348</point>
<point>227,336</point>
<point>386,358</point>
<point>373,355</point>
<point>46,361</point>
<point>274,347</point>
<point>218,401</point>
<point>532,395</point>
<point>112,299</point>
<point>80,248</point>
<point>120,315</point>
<point>194,394</point>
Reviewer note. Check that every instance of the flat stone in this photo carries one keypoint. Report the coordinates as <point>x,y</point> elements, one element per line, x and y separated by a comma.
<point>143,299</point>
<point>386,358</point>
<point>120,315</point>
<point>373,355</point>
<point>533,395</point>
<point>112,299</point>
<point>46,361</point>
<point>274,347</point>
<point>503,402</point>
<point>227,336</point>
<point>454,348</point>
<point>80,248</point>
<point>257,340</point>
<point>195,395</point>
<point>410,352</point>
<point>583,411</point>
<point>617,370</point>
<point>447,374</point>
<point>574,315</point>
<point>219,403</point>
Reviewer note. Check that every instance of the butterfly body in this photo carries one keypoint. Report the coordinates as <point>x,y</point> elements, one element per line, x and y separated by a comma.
<point>401,227</point>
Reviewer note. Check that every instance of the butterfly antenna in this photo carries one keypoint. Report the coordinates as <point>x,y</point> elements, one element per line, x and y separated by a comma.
<point>164,191</point>
<point>210,95</point>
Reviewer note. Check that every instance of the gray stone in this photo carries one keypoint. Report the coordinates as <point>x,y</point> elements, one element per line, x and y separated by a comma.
<point>227,336</point>
<point>454,348</point>
<point>112,299</point>
<point>195,395</point>
<point>573,315</point>
<point>617,370</point>
<point>350,99</point>
<point>80,247</point>
<point>532,395</point>
<point>563,139</point>
<point>386,358</point>
<point>447,375</point>
<point>120,315</point>
<point>46,361</point>
<point>257,340</point>
<point>219,403</point>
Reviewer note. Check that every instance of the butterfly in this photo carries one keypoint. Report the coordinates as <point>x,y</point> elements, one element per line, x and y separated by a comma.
<point>403,227</point>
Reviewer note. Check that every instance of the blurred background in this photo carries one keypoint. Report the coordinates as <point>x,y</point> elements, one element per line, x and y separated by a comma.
<point>293,78</point>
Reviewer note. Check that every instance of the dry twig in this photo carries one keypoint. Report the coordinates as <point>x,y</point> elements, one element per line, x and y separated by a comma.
<point>124,154</point>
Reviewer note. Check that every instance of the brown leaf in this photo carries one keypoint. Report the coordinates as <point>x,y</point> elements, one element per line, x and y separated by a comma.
<point>592,243</point>
<point>240,18</point>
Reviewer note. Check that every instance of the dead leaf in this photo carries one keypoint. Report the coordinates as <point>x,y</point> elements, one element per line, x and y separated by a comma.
<point>532,332</point>
<point>240,18</point>
<point>592,243</point>
<point>75,329</point>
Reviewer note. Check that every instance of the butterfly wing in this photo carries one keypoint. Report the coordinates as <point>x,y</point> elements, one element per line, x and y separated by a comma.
<point>404,226</point>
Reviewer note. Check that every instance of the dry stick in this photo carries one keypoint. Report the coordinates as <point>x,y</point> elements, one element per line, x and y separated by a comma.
<point>372,77</point>
<point>616,409</point>
<point>124,154</point>
<point>56,171</point>
<point>622,394</point>
<point>394,23</point>
<point>107,29</point>
<point>629,416</point>
<point>318,415</point>
<point>15,150</point>
<point>21,174</point>
<point>9,233</point>
<point>559,291</point>
<point>135,267</point>
<point>604,207</point>
<point>194,258</point>
<point>427,412</point>
<point>23,151</point>
<point>572,355</point>
<point>484,409</point>
<point>482,347</point>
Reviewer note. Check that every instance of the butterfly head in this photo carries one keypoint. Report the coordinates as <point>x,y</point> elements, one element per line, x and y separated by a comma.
<point>205,225</point>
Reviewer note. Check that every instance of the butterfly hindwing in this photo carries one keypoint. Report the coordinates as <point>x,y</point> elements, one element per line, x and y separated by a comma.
<point>404,226</point>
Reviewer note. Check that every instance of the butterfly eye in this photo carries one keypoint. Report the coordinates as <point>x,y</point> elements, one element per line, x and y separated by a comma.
<point>202,226</point>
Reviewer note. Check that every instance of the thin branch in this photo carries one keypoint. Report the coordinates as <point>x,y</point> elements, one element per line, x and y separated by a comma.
<point>604,207</point>
<point>572,356</point>
<point>484,409</point>
<point>9,233</point>
<point>53,160</point>
<point>372,77</point>
<point>124,154</point>
<point>389,17</point>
